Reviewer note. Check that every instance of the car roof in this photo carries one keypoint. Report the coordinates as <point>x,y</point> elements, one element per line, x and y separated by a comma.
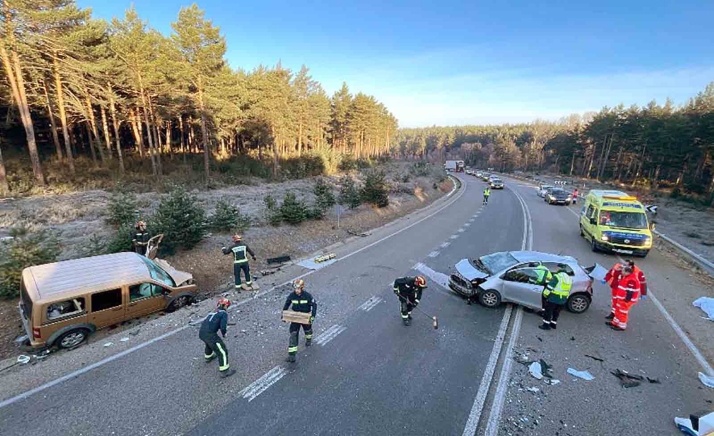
<point>75,277</point>
<point>537,256</point>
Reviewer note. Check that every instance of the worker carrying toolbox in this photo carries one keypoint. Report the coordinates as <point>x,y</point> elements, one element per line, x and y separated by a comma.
<point>240,261</point>
<point>301,301</point>
<point>215,321</point>
<point>409,290</point>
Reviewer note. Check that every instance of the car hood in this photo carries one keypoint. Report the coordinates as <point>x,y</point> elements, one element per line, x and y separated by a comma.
<point>468,271</point>
<point>179,277</point>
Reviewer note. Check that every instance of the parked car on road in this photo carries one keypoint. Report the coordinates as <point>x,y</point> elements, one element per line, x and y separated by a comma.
<point>62,303</point>
<point>558,196</point>
<point>510,276</point>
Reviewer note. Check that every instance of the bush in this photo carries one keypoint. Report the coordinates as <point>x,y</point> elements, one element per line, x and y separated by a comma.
<point>228,218</point>
<point>180,219</point>
<point>421,169</point>
<point>375,189</point>
<point>292,210</point>
<point>122,209</point>
<point>272,212</point>
<point>349,194</point>
<point>324,198</point>
<point>25,249</point>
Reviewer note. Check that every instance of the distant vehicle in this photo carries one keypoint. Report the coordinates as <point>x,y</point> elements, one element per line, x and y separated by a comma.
<point>496,183</point>
<point>543,189</point>
<point>558,196</point>
<point>479,174</point>
<point>456,166</point>
<point>485,177</point>
<point>510,277</point>
<point>62,303</point>
<point>615,221</point>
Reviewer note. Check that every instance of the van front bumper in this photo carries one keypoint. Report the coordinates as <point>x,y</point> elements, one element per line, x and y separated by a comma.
<point>622,249</point>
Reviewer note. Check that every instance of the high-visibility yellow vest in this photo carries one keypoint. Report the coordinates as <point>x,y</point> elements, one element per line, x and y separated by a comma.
<point>561,292</point>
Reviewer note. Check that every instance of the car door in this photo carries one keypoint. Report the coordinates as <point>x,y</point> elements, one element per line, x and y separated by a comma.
<point>145,298</point>
<point>520,286</point>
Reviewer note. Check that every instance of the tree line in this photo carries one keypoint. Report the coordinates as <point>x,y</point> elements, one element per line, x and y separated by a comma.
<point>121,92</point>
<point>651,146</point>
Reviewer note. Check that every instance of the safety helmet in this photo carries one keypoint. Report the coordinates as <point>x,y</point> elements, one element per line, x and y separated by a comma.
<point>420,281</point>
<point>298,284</point>
<point>224,303</point>
<point>237,237</point>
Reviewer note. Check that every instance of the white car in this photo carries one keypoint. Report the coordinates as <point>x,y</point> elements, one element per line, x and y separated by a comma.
<point>542,189</point>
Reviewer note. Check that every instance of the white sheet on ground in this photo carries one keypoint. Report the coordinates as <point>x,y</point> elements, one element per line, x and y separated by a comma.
<point>706,304</point>
<point>311,264</point>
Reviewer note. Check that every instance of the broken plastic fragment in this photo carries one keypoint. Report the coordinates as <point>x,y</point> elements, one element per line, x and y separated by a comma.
<point>22,359</point>
<point>109,344</point>
<point>585,375</point>
<point>123,339</point>
<point>536,370</point>
<point>534,390</point>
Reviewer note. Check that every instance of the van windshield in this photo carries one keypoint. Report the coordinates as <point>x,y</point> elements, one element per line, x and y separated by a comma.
<point>157,273</point>
<point>625,220</point>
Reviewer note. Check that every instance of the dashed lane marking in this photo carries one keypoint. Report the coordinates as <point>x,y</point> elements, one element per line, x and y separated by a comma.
<point>434,253</point>
<point>445,244</point>
<point>369,304</point>
<point>259,386</point>
<point>330,334</point>
<point>454,236</point>
<point>467,224</point>
<point>461,230</point>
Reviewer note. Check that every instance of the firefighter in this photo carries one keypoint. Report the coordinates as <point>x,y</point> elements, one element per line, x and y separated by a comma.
<point>555,296</point>
<point>215,321</point>
<point>486,194</point>
<point>301,301</point>
<point>140,241</point>
<point>409,290</point>
<point>628,293</point>
<point>240,260</point>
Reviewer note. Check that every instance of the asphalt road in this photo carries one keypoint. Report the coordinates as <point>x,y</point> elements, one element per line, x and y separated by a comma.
<point>369,374</point>
<point>376,373</point>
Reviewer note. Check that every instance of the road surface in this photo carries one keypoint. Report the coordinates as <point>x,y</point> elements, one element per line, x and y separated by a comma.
<point>369,374</point>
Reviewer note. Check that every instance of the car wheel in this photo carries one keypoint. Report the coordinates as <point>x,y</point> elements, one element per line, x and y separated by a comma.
<point>567,204</point>
<point>489,298</point>
<point>593,245</point>
<point>578,303</point>
<point>72,338</point>
<point>178,303</point>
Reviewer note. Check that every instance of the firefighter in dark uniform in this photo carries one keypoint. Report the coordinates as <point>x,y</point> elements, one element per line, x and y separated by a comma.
<point>215,321</point>
<point>240,260</point>
<point>409,290</point>
<point>140,241</point>
<point>301,301</point>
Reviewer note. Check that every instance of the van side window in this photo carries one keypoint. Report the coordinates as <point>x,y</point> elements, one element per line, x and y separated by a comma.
<point>65,309</point>
<point>106,300</point>
<point>144,290</point>
<point>590,213</point>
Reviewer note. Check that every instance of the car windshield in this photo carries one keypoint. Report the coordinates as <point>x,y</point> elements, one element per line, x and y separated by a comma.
<point>497,262</point>
<point>157,273</point>
<point>625,220</point>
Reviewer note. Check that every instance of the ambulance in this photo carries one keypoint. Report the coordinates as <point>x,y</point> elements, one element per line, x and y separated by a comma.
<point>613,221</point>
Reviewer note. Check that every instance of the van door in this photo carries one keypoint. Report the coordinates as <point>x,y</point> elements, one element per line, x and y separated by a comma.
<point>107,308</point>
<point>145,298</point>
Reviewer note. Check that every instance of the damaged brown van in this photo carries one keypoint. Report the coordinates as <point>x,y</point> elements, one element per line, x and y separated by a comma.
<point>62,303</point>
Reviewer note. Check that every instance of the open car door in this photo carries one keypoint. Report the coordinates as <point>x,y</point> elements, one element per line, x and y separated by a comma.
<point>152,247</point>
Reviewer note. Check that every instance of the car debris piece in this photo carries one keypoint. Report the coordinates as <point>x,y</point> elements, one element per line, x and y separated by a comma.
<point>267,272</point>
<point>123,339</point>
<point>707,380</point>
<point>535,370</point>
<point>585,375</point>
<point>22,359</point>
<point>707,305</point>
<point>595,358</point>
<point>534,390</point>
<point>552,381</point>
<point>654,381</point>
<point>701,423</point>
<point>628,380</point>
<point>279,259</point>
<point>363,234</point>
<point>135,332</point>
<point>109,344</point>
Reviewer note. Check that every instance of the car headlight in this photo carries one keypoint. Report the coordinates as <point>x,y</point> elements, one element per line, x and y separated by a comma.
<point>569,198</point>
<point>604,238</point>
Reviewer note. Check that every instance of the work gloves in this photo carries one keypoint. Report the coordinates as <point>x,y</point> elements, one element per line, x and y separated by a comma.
<point>643,297</point>
<point>603,281</point>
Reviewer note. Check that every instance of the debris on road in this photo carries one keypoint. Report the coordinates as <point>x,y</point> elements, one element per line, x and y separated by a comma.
<point>536,370</point>
<point>697,424</point>
<point>123,339</point>
<point>595,358</point>
<point>267,272</point>
<point>314,265</point>
<point>628,380</point>
<point>585,375</point>
<point>135,332</point>
<point>654,381</point>
<point>707,380</point>
<point>707,305</point>
<point>325,258</point>
<point>280,259</point>
<point>363,234</point>
<point>533,389</point>
<point>22,359</point>
<point>552,381</point>
<point>109,344</point>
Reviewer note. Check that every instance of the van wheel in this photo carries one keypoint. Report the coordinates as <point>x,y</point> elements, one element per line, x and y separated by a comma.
<point>593,245</point>
<point>581,230</point>
<point>178,303</point>
<point>72,338</point>
<point>489,298</point>
<point>578,303</point>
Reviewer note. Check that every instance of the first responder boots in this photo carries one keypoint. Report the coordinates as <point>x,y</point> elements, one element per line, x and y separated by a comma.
<point>544,326</point>
<point>308,342</point>
<point>610,316</point>
<point>210,359</point>
<point>228,373</point>
<point>291,358</point>
<point>407,321</point>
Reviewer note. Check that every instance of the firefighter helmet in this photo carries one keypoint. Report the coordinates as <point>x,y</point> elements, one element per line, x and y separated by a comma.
<point>420,281</point>
<point>237,237</point>
<point>224,303</point>
<point>298,284</point>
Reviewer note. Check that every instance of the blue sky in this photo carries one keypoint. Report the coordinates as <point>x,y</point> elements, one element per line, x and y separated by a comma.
<point>471,62</point>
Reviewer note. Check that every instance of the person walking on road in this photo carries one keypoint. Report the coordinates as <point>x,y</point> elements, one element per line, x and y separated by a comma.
<point>140,241</point>
<point>628,293</point>
<point>555,296</point>
<point>214,346</point>
<point>409,290</point>
<point>486,194</point>
<point>575,196</point>
<point>240,261</point>
<point>615,274</point>
<point>301,301</point>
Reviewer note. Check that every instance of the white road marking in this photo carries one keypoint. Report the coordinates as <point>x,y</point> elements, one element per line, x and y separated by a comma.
<point>477,409</point>
<point>474,215</point>
<point>434,253</point>
<point>330,334</point>
<point>472,220</point>
<point>445,244</point>
<point>454,236</point>
<point>369,304</point>
<point>437,277</point>
<point>467,224</point>
<point>259,386</point>
<point>461,230</point>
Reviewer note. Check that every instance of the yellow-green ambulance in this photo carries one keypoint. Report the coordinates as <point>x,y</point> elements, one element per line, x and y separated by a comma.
<point>616,222</point>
